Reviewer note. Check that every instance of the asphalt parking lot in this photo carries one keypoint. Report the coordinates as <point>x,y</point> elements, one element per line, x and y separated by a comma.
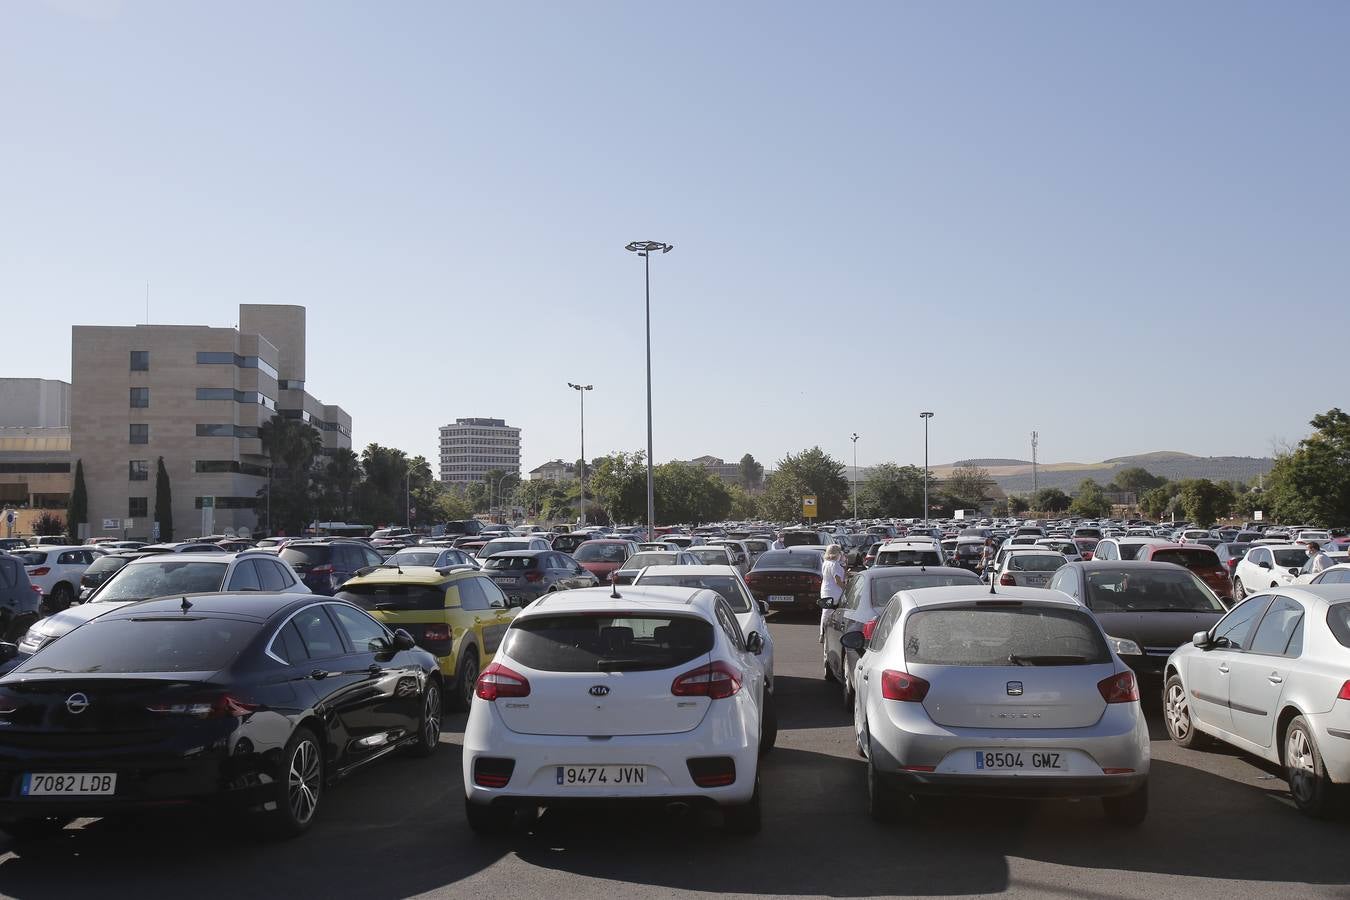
<point>1219,824</point>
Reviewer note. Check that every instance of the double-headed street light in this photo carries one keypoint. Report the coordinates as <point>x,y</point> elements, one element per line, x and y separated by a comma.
<point>855,476</point>
<point>582,389</point>
<point>925,416</point>
<point>645,249</point>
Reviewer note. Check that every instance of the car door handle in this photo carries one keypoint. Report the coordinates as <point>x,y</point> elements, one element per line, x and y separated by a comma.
<point>318,674</point>
<point>1275,678</point>
<point>1223,667</point>
<point>864,678</point>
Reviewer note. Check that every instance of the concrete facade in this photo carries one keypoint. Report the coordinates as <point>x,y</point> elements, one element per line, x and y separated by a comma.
<point>471,448</point>
<point>34,403</point>
<point>557,470</point>
<point>195,396</point>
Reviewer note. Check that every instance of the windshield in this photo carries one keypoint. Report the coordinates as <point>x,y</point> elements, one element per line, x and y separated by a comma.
<point>511,563</point>
<point>623,642</point>
<point>302,557</point>
<point>162,578</point>
<point>1003,637</point>
<point>414,558</point>
<point>785,559</point>
<point>1130,551</point>
<point>1035,562</point>
<point>394,596</point>
<point>1144,590</point>
<point>1196,558</point>
<point>710,556</point>
<point>1290,558</point>
<point>601,552</point>
<point>729,587</point>
<point>106,564</point>
<point>152,644</point>
<point>885,586</point>
<point>502,545</point>
<point>654,558</point>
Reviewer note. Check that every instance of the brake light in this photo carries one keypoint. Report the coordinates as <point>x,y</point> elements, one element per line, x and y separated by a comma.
<point>40,570</point>
<point>715,680</point>
<point>321,570</point>
<point>534,576</point>
<point>1345,692</point>
<point>1007,580</point>
<point>868,628</point>
<point>499,681</point>
<point>491,772</point>
<point>218,707</point>
<point>712,771</point>
<point>436,633</point>
<point>37,590</point>
<point>903,686</point>
<point>1120,688</point>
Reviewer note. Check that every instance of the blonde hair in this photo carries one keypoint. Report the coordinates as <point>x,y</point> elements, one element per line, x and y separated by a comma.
<point>832,552</point>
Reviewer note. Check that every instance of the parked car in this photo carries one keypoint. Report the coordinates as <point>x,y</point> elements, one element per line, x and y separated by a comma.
<point>103,568</point>
<point>1230,554</point>
<point>604,556</point>
<point>20,599</point>
<point>653,696</point>
<point>526,575</point>
<point>324,566</point>
<point>1147,609</point>
<point>910,552</point>
<point>1029,567</point>
<point>640,560</point>
<point>56,570</point>
<point>961,693</point>
<point>435,557</point>
<point>787,579</point>
<point>737,550</point>
<point>568,543</point>
<point>1199,559</point>
<point>1268,566</point>
<point>1337,574</point>
<point>222,686</point>
<point>456,615</point>
<point>1064,546</point>
<point>864,598</point>
<point>1271,679</point>
<point>504,544</point>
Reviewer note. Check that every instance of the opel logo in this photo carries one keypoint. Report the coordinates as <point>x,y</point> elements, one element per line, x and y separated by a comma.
<point>599,690</point>
<point>1014,689</point>
<point>77,703</point>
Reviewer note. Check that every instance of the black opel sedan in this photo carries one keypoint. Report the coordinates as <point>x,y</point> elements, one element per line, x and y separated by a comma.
<point>255,702</point>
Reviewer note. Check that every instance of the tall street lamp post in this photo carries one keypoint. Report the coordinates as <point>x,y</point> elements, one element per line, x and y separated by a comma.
<point>581,389</point>
<point>645,250</point>
<point>855,476</point>
<point>925,416</point>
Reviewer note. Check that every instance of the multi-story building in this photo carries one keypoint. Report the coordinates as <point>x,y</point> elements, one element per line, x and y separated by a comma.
<point>557,470</point>
<point>194,396</point>
<point>35,466</point>
<point>730,473</point>
<point>471,448</point>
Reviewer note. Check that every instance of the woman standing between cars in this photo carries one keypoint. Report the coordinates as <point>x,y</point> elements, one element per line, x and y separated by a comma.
<point>832,580</point>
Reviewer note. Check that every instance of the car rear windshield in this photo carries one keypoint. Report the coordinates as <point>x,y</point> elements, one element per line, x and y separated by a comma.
<point>1148,590</point>
<point>710,556</point>
<point>1338,620</point>
<point>1035,562</point>
<point>729,587</point>
<point>415,558</point>
<point>1195,558</point>
<point>105,564</point>
<point>909,558</point>
<point>785,559</point>
<point>306,557</point>
<point>654,558</point>
<point>1010,636</point>
<point>394,596</point>
<point>622,642</point>
<point>800,538</point>
<point>501,546</point>
<point>885,586</point>
<point>1290,558</point>
<point>511,563</point>
<point>163,578</point>
<point>601,551</point>
<point>181,643</point>
<point>31,557</point>
<point>568,542</point>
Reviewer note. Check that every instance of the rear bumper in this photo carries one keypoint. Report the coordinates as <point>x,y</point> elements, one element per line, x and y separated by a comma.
<point>1017,787</point>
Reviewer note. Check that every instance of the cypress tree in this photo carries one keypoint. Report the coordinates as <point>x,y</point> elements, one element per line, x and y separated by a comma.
<point>77,510</point>
<point>163,502</point>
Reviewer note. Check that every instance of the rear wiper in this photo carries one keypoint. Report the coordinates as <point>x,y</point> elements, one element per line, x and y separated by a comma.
<point>1047,660</point>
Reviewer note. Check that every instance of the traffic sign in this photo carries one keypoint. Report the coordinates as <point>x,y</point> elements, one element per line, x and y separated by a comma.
<point>1258,515</point>
<point>809,506</point>
<point>11,517</point>
<point>112,524</point>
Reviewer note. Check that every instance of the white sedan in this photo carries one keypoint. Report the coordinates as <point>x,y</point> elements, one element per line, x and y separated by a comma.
<point>615,694</point>
<point>1267,566</point>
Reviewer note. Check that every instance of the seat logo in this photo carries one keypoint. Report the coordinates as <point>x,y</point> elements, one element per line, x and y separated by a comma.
<point>1014,689</point>
<point>599,690</point>
<point>77,703</point>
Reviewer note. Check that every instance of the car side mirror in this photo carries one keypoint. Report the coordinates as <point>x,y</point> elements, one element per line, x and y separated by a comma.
<point>1295,570</point>
<point>1263,564</point>
<point>1201,639</point>
<point>853,640</point>
<point>754,642</point>
<point>763,607</point>
<point>403,640</point>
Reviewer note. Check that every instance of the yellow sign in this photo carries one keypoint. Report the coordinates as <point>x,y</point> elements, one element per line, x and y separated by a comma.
<point>809,506</point>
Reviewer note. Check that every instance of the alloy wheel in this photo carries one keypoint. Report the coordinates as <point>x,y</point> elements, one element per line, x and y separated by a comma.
<point>1298,758</point>
<point>303,785</point>
<point>1177,712</point>
<point>431,713</point>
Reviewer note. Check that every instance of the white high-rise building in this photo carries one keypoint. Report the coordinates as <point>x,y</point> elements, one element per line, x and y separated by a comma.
<point>471,448</point>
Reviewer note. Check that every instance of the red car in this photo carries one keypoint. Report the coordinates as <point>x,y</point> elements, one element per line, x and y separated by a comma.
<point>604,556</point>
<point>1085,546</point>
<point>1200,559</point>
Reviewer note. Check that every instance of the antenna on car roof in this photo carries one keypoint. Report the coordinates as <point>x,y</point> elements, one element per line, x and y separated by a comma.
<point>614,591</point>
<point>186,605</point>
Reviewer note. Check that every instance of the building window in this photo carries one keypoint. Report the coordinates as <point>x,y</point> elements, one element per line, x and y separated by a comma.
<point>138,507</point>
<point>290,384</point>
<point>140,434</point>
<point>140,360</point>
<point>237,431</point>
<point>217,466</point>
<point>228,502</point>
<point>218,358</point>
<point>140,398</point>
<point>138,470</point>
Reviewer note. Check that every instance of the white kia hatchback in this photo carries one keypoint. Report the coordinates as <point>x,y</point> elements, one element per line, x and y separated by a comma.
<point>619,695</point>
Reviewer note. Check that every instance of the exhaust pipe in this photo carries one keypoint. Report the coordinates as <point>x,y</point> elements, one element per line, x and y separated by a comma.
<point>677,808</point>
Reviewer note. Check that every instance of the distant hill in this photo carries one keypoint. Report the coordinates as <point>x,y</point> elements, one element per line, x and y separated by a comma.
<point>1143,459</point>
<point>1015,476</point>
<point>986,463</point>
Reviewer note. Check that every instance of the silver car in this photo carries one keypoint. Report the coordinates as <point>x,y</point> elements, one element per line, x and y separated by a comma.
<point>964,692</point>
<point>1272,678</point>
<point>1029,568</point>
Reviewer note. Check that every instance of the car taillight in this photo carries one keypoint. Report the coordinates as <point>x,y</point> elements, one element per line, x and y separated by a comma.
<point>1007,580</point>
<point>534,576</point>
<point>40,570</point>
<point>1345,692</point>
<point>751,578</point>
<point>436,633</point>
<point>499,681</point>
<point>903,686</point>
<point>868,628</point>
<point>1121,688</point>
<point>491,772</point>
<point>218,707</point>
<point>321,570</point>
<point>36,589</point>
<point>712,771</point>
<point>715,680</point>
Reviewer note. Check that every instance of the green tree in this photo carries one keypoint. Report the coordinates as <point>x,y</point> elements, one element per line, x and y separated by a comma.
<point>812,471</point>
<point>619,483</point>
<point>335,483</point>
<point>163,502</point>
<point>1204,502</point>
<point>77,510</point>
<point>1091,501</point>
<point>1312,483</point>
<point>1051,500</point>
<point>1160,501</point>
<point>688,494</point>
<point>292,446</point>
<point>1017,505</point>
<point>1135,480</point>
<point>892,490</point>
<point>751,473</point>
<point>744,505</point>
<point>966,486</point>
<point>50,525</point>
<point>378,500</point>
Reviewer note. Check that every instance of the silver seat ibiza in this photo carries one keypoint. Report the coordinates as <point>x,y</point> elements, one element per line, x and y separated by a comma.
<point>964,692</point>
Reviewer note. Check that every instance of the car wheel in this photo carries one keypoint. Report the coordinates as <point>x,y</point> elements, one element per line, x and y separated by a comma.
<point>488,820</point>
<point>61,596</point>
<point>743,818</point>
<point>466,679</point>
<point>825,665</point>
<point>1177,715</point>
<point>1312,791</point>
<point>1129,810</point>
<point>1239,592</point>
<point>768,728</point>
<point>429,727</point>
<point>847,684</point>
<point>883,801</point>
<point>34,829</point>
<point>301,786</point>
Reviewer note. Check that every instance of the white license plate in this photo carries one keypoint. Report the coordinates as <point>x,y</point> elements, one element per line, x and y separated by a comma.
<point>1018,760</point>
<point>609,776</point>
<point>76,784</point>
<point>782,598</point>
<point>504,579</point>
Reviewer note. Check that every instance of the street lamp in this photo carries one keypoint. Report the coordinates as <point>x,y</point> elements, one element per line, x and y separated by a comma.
<point>855,476</point>
<point>645,249</point>
<point>581,389</point>
<point>925,416</point>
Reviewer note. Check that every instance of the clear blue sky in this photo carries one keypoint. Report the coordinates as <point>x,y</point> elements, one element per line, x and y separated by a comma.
<point>1126,226</point>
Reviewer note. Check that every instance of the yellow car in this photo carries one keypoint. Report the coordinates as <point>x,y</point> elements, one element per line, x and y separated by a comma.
<point>457,614</point>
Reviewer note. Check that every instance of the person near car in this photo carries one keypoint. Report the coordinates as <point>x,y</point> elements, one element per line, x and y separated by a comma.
<point>1317,560</point>
<point>778,542</point>
<point>832,580</point>
<point>987,555</point>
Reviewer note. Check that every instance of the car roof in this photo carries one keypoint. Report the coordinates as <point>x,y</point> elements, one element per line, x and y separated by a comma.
<point>53,548</point>
<point>868,574</point>
<point>518,554</point>
<point>933,596</point>
<point>221,558</point>
<point>423,575</point>
<point>601,599</point>
<point>255,605</point>
<point>1317,594</point>
<point>690,570</point>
